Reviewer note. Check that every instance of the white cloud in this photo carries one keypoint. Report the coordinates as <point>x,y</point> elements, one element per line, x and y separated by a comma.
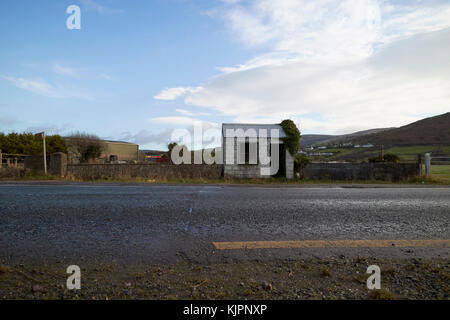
<point>51,129</point>
<point>105,76</point>
<point>189,113</point>
<point>43,88</point>
<point>174,93</point>
<point>331,30</point>
<point>174,126</point>
<point>100,9</point>
<point>65,71</point>
<point>185,112</point>
<point>317,30</point>
<point>182,121</point>
<point>148,139</point>
<point>333,65</point>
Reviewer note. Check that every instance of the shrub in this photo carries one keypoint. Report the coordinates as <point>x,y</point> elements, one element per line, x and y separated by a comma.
<point>292,139</point>
<point>300,162</point>
<point>87,146</point>
<point>389,157</point>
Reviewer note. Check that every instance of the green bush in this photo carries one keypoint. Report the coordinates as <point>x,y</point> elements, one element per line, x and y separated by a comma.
<point>87,146</point>
<point>292,140</point>
<point>25,143</point>
<point>300,162</point>
<point>388,157</point>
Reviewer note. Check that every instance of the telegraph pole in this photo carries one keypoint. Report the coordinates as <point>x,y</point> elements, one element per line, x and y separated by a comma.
<point>45,153</point>
<point>37,137</point>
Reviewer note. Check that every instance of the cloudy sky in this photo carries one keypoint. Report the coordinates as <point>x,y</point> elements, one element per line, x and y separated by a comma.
<point>139,69</point>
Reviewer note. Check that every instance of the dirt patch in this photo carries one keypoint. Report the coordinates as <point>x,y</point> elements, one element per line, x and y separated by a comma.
<point>309,279</point>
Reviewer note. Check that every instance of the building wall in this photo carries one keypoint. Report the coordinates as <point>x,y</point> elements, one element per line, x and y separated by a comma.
<point>289,165</point>
<point>237,170</point>
<point>124,151</point>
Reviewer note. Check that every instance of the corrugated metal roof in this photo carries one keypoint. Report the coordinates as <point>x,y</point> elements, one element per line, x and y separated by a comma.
<point>125,142</point>
<point>255,126</point>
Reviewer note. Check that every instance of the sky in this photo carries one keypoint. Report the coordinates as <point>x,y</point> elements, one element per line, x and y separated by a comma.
<point>137,70</point>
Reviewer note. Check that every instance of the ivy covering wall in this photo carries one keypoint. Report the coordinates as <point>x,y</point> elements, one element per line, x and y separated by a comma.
<point>292,140</point>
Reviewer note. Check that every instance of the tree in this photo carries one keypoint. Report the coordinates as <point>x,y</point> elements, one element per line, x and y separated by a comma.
<point>300,162</point>
<point>55,143</point>
<point>87,146</point>
<point>25,143</point>
<point>171,146</point>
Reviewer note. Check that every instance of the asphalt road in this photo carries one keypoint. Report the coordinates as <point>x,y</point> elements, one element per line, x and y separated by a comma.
<point>153,224</point>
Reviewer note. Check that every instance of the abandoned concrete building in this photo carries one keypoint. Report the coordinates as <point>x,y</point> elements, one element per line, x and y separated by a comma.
<point>255,151</point>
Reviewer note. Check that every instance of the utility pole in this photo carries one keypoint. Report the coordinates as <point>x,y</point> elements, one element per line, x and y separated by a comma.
<point>45,153</point>
<point>382,152</point>
<point>37,137</point>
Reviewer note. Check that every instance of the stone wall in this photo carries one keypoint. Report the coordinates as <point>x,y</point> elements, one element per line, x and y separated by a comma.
<point>7,173</point>
<point>56,164</point>
<point>36,163</point>
<point>362,171</point>
<point>157,171</point>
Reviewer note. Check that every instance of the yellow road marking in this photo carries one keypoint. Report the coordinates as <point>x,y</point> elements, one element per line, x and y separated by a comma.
<point>292,244</point>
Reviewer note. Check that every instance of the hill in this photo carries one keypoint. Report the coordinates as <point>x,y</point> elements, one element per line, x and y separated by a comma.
<point>308,140</point>
<point>346,138</point>
<point>429,131</point>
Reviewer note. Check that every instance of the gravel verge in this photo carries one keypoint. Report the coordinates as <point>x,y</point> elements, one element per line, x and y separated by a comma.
<point>339,278</point>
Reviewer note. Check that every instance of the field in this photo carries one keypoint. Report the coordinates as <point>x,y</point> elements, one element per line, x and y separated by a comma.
<point>408,153</point>
<point>441,172</point>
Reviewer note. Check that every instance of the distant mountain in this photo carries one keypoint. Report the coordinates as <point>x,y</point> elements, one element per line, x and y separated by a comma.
<point>308,140</point>
<point>346,138</point>
<point>429,131</point>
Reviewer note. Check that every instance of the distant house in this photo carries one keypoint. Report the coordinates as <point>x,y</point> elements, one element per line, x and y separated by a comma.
<point>356,146</point>
<point>322,147</point>
<point>241,144</point>
<point>368,145</point>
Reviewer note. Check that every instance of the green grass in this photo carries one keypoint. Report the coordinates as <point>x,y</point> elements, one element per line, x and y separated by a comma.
<point>410,153</point>
<point>441,172</point>
<point>224,181</point>
<point>405,153</point>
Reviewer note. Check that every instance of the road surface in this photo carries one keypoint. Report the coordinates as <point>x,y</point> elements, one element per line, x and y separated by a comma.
<point>142,223</point>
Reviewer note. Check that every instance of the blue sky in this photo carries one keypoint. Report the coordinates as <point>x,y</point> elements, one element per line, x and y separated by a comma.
<point>138,69</point>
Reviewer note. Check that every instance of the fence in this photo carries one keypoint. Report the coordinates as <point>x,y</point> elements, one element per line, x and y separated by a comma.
<point>440,160</point>
<point>10,160</point>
